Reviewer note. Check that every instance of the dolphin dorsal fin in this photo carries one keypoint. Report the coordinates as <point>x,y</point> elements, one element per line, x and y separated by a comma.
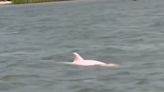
<point>77,57</point>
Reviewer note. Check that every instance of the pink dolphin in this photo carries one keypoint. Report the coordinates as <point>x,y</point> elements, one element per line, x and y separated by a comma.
<point>78,60</point>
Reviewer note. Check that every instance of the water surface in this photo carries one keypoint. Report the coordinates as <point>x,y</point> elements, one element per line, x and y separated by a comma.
<point>35,38</point>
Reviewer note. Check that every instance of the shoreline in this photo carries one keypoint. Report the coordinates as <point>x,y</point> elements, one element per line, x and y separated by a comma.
<point>10,2</point>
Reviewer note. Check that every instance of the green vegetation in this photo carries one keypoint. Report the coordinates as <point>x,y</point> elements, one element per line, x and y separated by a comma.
<point>33,1</point>
<point>19,1</point>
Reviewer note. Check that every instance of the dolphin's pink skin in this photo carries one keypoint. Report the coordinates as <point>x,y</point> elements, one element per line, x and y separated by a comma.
<point>78,60</point>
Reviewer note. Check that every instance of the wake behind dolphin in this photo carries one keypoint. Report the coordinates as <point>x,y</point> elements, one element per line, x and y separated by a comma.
<point>78,60</point>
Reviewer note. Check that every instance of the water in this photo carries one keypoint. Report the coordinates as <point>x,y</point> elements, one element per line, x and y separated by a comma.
<point>35,38</point>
